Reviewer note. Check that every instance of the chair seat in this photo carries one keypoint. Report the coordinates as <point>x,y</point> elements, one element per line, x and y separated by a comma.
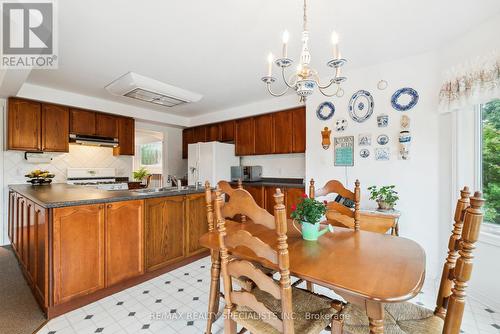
<point>399,318</point>
<point>312,313</point>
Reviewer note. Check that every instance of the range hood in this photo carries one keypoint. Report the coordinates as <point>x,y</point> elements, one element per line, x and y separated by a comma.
<point>93,140</point>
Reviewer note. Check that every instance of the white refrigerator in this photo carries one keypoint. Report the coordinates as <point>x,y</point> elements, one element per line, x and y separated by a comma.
<point>211,162</point>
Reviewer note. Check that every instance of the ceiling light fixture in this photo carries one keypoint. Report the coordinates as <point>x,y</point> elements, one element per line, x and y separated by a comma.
<point>305,79</point>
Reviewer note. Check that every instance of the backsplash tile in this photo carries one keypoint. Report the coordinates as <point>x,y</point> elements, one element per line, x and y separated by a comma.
<point>15,166</point>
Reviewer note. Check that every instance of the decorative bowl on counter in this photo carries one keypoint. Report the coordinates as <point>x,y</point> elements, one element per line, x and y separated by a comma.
<point>39,177</point>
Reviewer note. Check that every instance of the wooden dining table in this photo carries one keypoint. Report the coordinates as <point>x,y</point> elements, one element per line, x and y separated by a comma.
<point>365,268</point>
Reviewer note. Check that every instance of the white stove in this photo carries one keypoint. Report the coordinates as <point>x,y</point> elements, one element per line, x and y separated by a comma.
<point>100,178</point>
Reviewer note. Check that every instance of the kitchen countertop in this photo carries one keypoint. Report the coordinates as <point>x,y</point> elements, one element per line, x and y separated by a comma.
<point>61,195</point>
<point>278,182</point>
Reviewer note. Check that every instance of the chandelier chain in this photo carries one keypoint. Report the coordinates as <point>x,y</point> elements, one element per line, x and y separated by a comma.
<point>305,15</point>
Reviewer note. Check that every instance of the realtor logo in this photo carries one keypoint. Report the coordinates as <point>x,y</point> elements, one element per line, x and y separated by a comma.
<point>28,34</point>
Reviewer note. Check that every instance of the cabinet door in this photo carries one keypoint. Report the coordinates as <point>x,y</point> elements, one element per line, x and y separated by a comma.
<point>293,197</point>
<point>32,241</point>
<point>124,241</point>
<point>164,242</point>
<point>213,132</point>
<point>55,128</point>
<point>82,122</point>
<point>196,217</point>
<point>282,123</point>
<point>78,251</point>
<point>12,215</point>
<point>257,193</point>
<point>227,131</point>
<point>17,226</point>
<point>126,137</point>
<point>299,130</point>
<point>263,134</point>
<point>245,144</point>
<point>106,125</point>
<point>42,256</point>
<point>187,138</point>
<point>199,134</point>
<point>24,125</point>
<point>24,233</point>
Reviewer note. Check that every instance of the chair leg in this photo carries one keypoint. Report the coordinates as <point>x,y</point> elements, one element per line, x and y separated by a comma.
<point>213,299</point>
<point>337,326</point>
<point>310,286</point>
<point>229,325</point>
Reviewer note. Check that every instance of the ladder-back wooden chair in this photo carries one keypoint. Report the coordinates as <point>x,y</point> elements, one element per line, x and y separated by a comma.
<point>447,317</point>
<point>215,294</point>
<point>267,306</point>
<point>338,214</point>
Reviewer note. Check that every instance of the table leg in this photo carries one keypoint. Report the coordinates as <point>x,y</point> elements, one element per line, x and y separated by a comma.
<point>213,299</point>
<point>375,313</point>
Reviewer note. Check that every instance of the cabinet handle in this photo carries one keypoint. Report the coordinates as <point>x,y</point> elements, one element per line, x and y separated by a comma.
<point>110,206</point>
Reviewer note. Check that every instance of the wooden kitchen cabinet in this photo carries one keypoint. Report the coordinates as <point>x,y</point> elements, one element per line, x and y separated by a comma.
<point>245,144</point>
<point>23,233</point>
<point>257,193</point>
<point>283,134</point>
<point>124,241</point>
<point>78,251</point>
<point>11,219</point>
<point>197,225</point>
<point>264,134</point>
<point>299,130</point>
<point>293,197</point>
<point>82,122</point>
<point>200,134</point>
<point>227,131</point>
<point>164,229</point>
<point>126,137</point>
<point>106,125</point>
<point>31,267</point>
<point>187,138</point>
<point>41,282</point>
<point>55,128</point>
<point>23,125</point>
<point>213,132</point>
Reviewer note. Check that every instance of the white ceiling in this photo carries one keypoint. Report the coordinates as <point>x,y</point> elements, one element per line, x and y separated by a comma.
<point>219,48</point>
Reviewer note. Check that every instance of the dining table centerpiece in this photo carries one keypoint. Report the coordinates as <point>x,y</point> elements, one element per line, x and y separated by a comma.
<point>309,212</point>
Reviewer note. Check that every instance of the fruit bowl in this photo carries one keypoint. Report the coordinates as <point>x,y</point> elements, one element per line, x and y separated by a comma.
<point>40,177</point>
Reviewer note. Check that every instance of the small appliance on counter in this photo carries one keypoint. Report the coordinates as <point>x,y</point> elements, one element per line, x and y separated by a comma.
<point>210,162</point>
<point>246,173</point>
<point>100,178</point>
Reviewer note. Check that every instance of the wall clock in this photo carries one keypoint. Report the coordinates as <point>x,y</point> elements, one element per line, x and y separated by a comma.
<point>325,111</point>
<point>361,106</point>
<point>404,99</point>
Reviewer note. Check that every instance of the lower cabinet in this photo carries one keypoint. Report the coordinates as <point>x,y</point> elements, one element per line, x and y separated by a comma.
<point>164,231</point>
<point>257,193</point>
<point>78,237</point>
<point>197,225</point>
<point>264,197</point>
<point>124,241</point>
<point>41,283</point>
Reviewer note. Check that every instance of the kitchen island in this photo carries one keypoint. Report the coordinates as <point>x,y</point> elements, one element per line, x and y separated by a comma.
<point>79,244</point>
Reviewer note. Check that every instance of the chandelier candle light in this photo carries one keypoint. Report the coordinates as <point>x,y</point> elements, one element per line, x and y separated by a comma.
<point>305,79</point>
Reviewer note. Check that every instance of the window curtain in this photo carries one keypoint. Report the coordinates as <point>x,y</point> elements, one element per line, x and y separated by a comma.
<point>471,84</point>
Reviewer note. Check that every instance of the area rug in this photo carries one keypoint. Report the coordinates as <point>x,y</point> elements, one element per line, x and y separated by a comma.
<point>19,312</point>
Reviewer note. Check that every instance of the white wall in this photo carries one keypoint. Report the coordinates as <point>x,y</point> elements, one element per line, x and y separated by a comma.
<point>279,165</point>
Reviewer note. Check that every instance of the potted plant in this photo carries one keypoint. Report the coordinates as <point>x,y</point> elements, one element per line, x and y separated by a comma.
<point>138,175</point>
<point>308,212</point>
<point>386,196</point>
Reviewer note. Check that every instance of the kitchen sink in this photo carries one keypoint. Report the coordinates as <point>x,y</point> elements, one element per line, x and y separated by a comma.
<point>160,190</point>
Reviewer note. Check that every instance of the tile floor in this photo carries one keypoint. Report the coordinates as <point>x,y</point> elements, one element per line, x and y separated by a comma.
<point>176,303</point>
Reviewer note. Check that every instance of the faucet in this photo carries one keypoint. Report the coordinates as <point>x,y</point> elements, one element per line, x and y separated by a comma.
<point>175,181</point>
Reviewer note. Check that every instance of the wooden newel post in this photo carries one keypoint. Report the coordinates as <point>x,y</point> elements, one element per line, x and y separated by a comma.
<point>451,259</point>
<point>357,200</point>
<point>311,189</point>
<point>240,184</point>
<point>463,268</point>
<point>283,262</point>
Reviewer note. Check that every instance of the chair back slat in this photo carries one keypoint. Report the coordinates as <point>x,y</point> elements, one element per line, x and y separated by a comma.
<point>244,239</point>
<point>247,299</point>
<point>446,277</point>
<point>242,268</point>
<point>335,187</point>
<point>463,267</point>
<point>241,202</point>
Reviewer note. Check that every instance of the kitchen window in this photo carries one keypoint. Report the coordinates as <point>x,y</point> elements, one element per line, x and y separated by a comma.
<point>151,157</point>
<point>489,170</point>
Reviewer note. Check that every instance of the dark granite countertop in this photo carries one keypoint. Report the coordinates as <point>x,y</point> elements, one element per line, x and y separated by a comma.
<point>60,194</point>
<point>278,182</point>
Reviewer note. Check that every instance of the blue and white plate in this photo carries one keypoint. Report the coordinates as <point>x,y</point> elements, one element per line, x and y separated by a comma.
<point>325,111</point>
<point>361,106</point>
<point>364,153</point>
<point>404,99</point>
<point>382,139</point>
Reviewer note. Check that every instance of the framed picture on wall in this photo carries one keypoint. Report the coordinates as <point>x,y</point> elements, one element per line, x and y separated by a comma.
<point>343,151</point>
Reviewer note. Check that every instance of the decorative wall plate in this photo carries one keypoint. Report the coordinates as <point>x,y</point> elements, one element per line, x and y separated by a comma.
<point>341,124</point>
<point>382,120</point>
<point>325,111</point>
<point>361,106</point>
<point>382,84</point>
<point>382,153</point>
<point>404,99</point>
<point>405,122</point>
<point>382,139</point>
<point>364,139</point>
<point>364,153</point>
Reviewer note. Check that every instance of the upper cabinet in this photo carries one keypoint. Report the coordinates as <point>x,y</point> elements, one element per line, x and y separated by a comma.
<point>283,134</point>
<point>106,125</point>
<point>24,125</point>
<point>55,128</point>
<point>126,137</point>
<point>82,122</point>
<point>227,131</point>
<point>213,132</point>
<point>299,130</point>
<point>199,134</point>
<point>187,138</point>
<point>264,134</point>
<point>245,143</point>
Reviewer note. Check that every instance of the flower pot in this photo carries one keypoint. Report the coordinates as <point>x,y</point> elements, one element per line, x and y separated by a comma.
<point>312,232</point>
<point>383,205</point>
